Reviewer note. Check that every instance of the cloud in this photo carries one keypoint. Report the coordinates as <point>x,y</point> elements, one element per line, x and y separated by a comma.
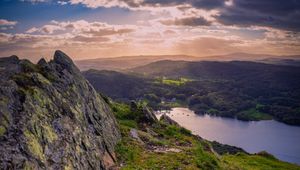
<point>88,39</point>
<point>4,22</point>
<point>187,21</point>
<point>82,26</point>
<point>62,2</point>
<point>102,3</point>
<point>34,1</point>
<point>81,34</point>
<point>148,4</point>
<point>46,29</point>
<point>277,14</point>
<point>188,30</point>
<point>270,13</point>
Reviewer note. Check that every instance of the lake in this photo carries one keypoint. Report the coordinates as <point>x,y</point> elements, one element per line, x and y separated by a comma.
<point>279,139</point>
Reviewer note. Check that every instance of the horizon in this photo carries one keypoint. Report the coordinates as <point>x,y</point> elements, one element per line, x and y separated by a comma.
<point>230,57</point>
<point>86,29</point>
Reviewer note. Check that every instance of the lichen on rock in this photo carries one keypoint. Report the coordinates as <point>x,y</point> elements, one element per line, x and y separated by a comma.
<point>52,118</point>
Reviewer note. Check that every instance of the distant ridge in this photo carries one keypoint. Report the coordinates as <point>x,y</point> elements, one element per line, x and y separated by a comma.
<point>127,62</point>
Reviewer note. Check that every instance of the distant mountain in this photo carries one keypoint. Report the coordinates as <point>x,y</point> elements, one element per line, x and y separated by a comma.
<point>237,57</point>
<point>127,62</point>
<point>219,70</point>
<point>52,118</point>
<point>279,61</point>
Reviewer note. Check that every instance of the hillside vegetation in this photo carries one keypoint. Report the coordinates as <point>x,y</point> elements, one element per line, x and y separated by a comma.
<point>242,90</point>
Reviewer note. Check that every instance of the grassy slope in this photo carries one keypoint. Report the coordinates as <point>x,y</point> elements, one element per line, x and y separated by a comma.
<point>255,162</point>
<point>195,153</point>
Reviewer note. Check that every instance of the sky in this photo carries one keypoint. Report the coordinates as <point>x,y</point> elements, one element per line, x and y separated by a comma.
<point>108,28</point>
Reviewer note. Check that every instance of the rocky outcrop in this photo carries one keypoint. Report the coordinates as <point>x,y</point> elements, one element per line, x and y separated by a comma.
<point>149,115</point>
<point>52,118</point>
<point>166,119</point>
<point>222,149</point>
<point>146,116</point>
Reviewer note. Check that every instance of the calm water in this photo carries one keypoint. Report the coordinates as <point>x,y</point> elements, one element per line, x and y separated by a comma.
<point>281,140</point>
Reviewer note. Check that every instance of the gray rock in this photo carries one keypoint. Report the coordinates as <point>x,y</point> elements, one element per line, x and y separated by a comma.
<point>52,118</point>
<point>166,119</point>
<point>134,134</point>
<point>149,115</point>
<point>146,114</point>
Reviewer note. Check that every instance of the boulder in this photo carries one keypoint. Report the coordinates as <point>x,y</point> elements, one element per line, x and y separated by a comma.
<point>148,115</point>
<point>166,119</point>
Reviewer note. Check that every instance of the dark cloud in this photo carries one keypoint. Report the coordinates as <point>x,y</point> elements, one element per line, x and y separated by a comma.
<point>281,14</point>
<point>189,21</point>
<point>204,4</point>
<point>271,7</point>
<point>81,38</point>
<point>208,4</point>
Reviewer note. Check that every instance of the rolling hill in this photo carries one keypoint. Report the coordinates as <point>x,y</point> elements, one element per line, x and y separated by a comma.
<point>128,62</point>
<point>237,89</point>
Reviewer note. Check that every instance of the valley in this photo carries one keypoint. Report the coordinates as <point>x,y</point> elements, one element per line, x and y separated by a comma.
<point>237,89</point>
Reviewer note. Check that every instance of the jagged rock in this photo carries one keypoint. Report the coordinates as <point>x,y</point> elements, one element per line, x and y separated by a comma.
<point>222,149</point>
<point>134,134</point>
<point>42,62</point>
<point>64,62</point>
<point>52,118</point>
<point>133,106</point>
<point>149,115</point>
<point>166,119</point>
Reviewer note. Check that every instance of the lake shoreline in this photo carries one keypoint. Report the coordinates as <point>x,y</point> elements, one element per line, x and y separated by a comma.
<point>239,133</point>
<point>230,117</point>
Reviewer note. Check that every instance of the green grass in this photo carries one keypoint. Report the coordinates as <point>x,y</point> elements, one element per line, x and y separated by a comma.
<point>194,153</point>
<point>256,162</point>
<point>134,155</point>
<point>173,82</point>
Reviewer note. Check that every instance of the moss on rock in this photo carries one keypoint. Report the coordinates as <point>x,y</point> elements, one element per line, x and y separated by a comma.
<point>34,145</point>
<point>2,130</point>
<point>49,133</point>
